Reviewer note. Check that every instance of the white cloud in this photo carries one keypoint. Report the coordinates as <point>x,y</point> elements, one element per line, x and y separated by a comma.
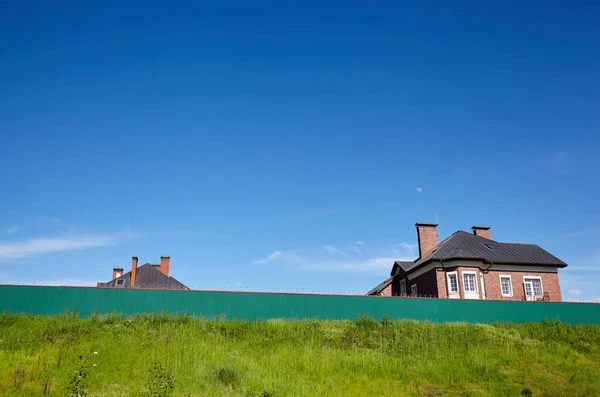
<point>360,243</point>
<point>36,246</point>
<point>575,292</point>
<point>593,299</point>
<point>269,258</point>
<point>334,251</point>
<point>370,259</point>
<point>371,265</point>
<point>419,190</point>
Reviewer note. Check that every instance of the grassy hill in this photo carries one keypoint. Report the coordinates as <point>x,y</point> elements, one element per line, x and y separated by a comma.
<point>193,357</point>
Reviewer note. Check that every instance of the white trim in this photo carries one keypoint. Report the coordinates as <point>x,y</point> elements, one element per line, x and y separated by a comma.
<point>470,294</point>
<point>413,290</point>
<point>535,297</point>
<point>453,294</point>
<point>481,279</point>
<point>484,266</point>
<point>511,293</point>
<point>403,287</point>
<point>474,280</point>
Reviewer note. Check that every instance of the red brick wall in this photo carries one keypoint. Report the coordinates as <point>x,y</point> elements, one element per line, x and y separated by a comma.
<point>387,291</point>
<point>428,239</point>
<point>550,284</point>
<point>441,283</point>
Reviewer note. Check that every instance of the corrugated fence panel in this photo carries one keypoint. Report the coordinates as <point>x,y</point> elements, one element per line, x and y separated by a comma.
<point>39,300</point>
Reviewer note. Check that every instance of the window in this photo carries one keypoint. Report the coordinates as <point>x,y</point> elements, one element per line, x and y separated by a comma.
<point>506,286</point>
<point>120,282</point>
<point>533,287</point>
<point>469,283</point>
<point>403,287</point>
<point>452,283</point>
<point>413,289</point>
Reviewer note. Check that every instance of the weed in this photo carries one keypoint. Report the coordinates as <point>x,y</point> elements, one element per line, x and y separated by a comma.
<point>161,382</point>
<point>228,377</point>
<point>18,377</point>
<point>78,384</point>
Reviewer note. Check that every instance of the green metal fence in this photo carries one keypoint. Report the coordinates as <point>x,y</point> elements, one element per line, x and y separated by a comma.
<point>37,300</point>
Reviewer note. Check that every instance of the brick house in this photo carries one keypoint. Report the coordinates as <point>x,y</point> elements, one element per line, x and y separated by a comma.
<point>155,276</point>
<point>473,266</point>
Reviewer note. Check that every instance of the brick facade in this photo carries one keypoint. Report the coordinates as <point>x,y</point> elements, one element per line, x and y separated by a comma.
<point>387,291</point>
<point>550,285</point>
<point>440,277</point>
<point>491,283</point>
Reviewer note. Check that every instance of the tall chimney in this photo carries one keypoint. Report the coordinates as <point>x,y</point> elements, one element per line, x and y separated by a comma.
<point>428,237</point>
<point>164,265</point>
<point>134,262</point>
<point>117,272</point>
<point>481,231</point>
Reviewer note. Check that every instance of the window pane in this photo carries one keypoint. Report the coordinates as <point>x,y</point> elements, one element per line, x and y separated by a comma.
<point>506,287</point>
<point>537,287</point>
<point>533,287</point>
<point>453,283</point>
<point>469,281</point>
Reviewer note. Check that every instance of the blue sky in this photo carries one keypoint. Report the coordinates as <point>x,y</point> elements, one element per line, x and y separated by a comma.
<point>293,147</point>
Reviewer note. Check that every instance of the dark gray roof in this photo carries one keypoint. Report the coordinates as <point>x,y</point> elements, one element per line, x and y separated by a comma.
<point>147,276</point>
<point>466,246</point>
<point>401,265</point>
<point>377,290</point>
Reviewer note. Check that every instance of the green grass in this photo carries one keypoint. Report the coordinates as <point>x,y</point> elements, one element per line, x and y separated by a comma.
<point>40,356</point>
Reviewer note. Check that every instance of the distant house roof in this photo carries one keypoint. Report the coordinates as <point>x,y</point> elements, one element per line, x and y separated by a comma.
<point>147,276</point>
<point>466,246</point>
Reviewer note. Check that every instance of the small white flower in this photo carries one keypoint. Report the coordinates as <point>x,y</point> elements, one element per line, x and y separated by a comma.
<point>95,352</point>
<point>94,365</point>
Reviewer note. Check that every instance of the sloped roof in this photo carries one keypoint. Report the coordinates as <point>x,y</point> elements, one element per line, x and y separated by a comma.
<point>466,246</point>
<point>147,276</point>
<point>401,265</point>
<point>377,290</point>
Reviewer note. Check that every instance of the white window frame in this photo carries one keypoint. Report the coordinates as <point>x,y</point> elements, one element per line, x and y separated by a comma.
<point>403,287</point>
<point>511,293</point>
<point>453,294</point>
<point>470,294</point>
<point>474,282</point>
<point>535,297</point>
<point>413,289</point>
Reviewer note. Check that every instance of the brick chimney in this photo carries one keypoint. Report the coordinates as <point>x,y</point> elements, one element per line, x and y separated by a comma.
<point>117,272</point>
<point>428,237</point>
<point>164,265</point>
<point>481,231</point>
<point>134,263</point>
